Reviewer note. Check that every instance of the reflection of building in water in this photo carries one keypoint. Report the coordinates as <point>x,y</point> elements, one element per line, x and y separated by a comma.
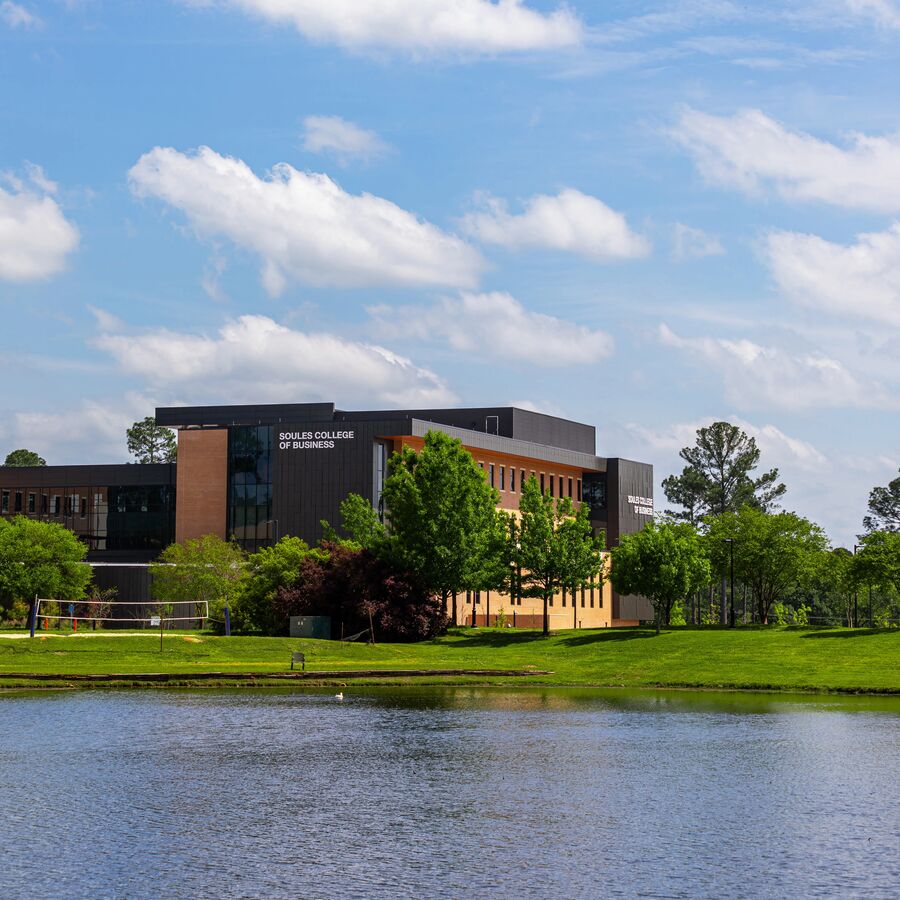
<point>257,473</point>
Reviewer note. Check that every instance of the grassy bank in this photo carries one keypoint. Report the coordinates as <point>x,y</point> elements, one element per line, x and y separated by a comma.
<point>832,659</point>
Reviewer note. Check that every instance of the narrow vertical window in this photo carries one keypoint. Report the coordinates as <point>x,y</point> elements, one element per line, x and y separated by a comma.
<point>551,485</point>
<point>44,503</point>
<point>491,478</point>
<point>592,595</point>
<point>18,502</point>
<point>582,596</point>
<point>570,488</point>
<point>502,478</point>
<point>4,502</point>
<point>561,486</point>
<point>564,598</point>
<point>512,480</point>
<point>84,507</point>
<point>31,507</point>
<point>543,487</point>
<point>522,479</point>
<point>580,497</point>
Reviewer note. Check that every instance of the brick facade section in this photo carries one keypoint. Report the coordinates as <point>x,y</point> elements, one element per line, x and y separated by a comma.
<point>202,483</point>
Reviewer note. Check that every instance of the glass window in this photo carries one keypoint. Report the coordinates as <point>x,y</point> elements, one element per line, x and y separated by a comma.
<point>502,478</point>
<point>570,488</point>
<point>592,595</point>
<point>31,504</point>
<point>4,502</point>
<point>543,488</point>
<point>512,480</point>
<point>563,596</point>
<point>18,502</point>
<point>44,503</point>
<point>250,484</point>
<point>491,476</point>
<point>54,505</point>
<point>582,596</point>
<point>578,489</point>
<point>551,484</point>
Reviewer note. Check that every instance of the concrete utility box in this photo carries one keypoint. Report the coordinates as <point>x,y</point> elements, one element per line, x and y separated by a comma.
<point>311,627</point>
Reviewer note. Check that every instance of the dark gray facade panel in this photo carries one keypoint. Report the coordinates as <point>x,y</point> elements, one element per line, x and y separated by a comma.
<point>503,421</point>
<point>265,414</point>
<point>310,482</point>
<point>539,428</point>
<point>627,482</point>
<point>137,475</point>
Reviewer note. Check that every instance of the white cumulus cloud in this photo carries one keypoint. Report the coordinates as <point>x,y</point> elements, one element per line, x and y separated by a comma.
<point>35,236</point>
<point>859,279</point>
<point>17,16</point>
<point>770,377</point>
<point>304,226</point>
<point>750,151</point>
<point>343,139</point>
<point>255,359</point>
<point>570,221</point>
<point>495,326</point>
<point>423,26</point>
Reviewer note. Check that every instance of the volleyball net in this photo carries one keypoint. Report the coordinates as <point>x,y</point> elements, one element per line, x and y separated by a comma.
<point>145,613</point>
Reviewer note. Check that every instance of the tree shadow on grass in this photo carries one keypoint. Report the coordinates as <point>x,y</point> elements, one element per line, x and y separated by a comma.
<point>492,638</point>
<point>606,635</point>
<point>848,633</point>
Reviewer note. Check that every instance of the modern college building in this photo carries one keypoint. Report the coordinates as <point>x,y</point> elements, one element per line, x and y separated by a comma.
<point>258,473</point>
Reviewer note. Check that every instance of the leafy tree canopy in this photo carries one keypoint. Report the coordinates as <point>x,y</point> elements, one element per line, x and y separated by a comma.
<point>877,563</point>
<point>205,569</point>
<point>718,477</point>
<point>24,457</point>
<point>884,508</point>
<point>360,522</point>
<point>442,515</point>
<point>40,558</point>
<point>774,554</point>
<point>151,443</point>
<point>267,571</point>
<point>555,546</point>
<point>664,562</point>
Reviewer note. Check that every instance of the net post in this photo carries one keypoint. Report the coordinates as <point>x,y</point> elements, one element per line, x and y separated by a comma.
<point>34,611</point>
<point>227,622</point>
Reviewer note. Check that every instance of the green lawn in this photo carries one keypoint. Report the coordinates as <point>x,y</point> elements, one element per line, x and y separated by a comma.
<point>783,658</point>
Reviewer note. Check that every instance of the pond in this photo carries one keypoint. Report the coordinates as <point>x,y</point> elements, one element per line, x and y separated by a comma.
<point>447,792</point>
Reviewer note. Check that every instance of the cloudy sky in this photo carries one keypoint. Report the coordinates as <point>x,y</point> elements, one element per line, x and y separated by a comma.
<point>641,215</point>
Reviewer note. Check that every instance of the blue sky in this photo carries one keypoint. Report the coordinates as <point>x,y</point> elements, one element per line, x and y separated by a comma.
<point>644,216</point>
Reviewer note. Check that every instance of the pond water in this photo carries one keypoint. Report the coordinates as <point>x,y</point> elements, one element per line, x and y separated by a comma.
<point>447,792</point>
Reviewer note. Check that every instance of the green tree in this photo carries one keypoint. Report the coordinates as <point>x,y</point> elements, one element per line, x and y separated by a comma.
<point>361,523</point>
<point>151,443</point>
<point>556,547</point>
<point>774,554</point>
<point>24,457</point>
<point>442,515</point>
<point>204,570</point>
<point>884,508</point>
<point>40,559</point>
<point>718,476</point>
<point>877,562</point>
<point>664,562</point>
<point>267,571</point>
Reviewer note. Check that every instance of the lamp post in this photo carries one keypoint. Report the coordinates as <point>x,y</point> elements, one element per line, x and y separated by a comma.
<point>730,542</point>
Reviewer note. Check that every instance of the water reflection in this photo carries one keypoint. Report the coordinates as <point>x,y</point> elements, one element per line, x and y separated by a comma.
<point>431,792</point>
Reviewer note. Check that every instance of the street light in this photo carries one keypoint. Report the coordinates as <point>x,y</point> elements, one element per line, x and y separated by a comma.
<point>730,542</point>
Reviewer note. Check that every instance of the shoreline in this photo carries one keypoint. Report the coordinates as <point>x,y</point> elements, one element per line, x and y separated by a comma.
<point>16,682</point>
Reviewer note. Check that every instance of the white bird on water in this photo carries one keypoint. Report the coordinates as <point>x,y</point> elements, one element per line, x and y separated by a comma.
<point>339,696</point>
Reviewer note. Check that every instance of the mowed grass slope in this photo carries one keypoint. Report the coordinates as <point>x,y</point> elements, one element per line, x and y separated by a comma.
<point>783,658</point>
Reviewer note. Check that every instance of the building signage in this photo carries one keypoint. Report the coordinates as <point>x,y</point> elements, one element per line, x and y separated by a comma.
<point>312,440</point>
<point>643,506</point>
